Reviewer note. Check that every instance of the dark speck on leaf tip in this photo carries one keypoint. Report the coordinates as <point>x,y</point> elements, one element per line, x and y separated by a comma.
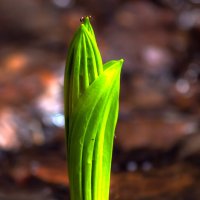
<point>82,19</point>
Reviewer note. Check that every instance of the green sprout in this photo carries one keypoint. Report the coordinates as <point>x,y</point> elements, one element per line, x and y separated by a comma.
<point>91,99</point>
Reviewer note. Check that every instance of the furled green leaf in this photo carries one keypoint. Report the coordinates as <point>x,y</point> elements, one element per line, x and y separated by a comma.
<point>91,111</point>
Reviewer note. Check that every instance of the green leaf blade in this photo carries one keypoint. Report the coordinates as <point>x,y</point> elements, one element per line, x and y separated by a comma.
<point>91,98</point>
<point>86,123</point>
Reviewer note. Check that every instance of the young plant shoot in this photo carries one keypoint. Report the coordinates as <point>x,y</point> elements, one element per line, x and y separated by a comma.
<point>91,99</point>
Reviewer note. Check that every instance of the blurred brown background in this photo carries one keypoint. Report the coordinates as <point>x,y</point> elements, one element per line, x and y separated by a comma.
<point>157,145</point>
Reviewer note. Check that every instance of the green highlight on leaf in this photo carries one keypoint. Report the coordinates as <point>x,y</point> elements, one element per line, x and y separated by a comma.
<point>91,100</point>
